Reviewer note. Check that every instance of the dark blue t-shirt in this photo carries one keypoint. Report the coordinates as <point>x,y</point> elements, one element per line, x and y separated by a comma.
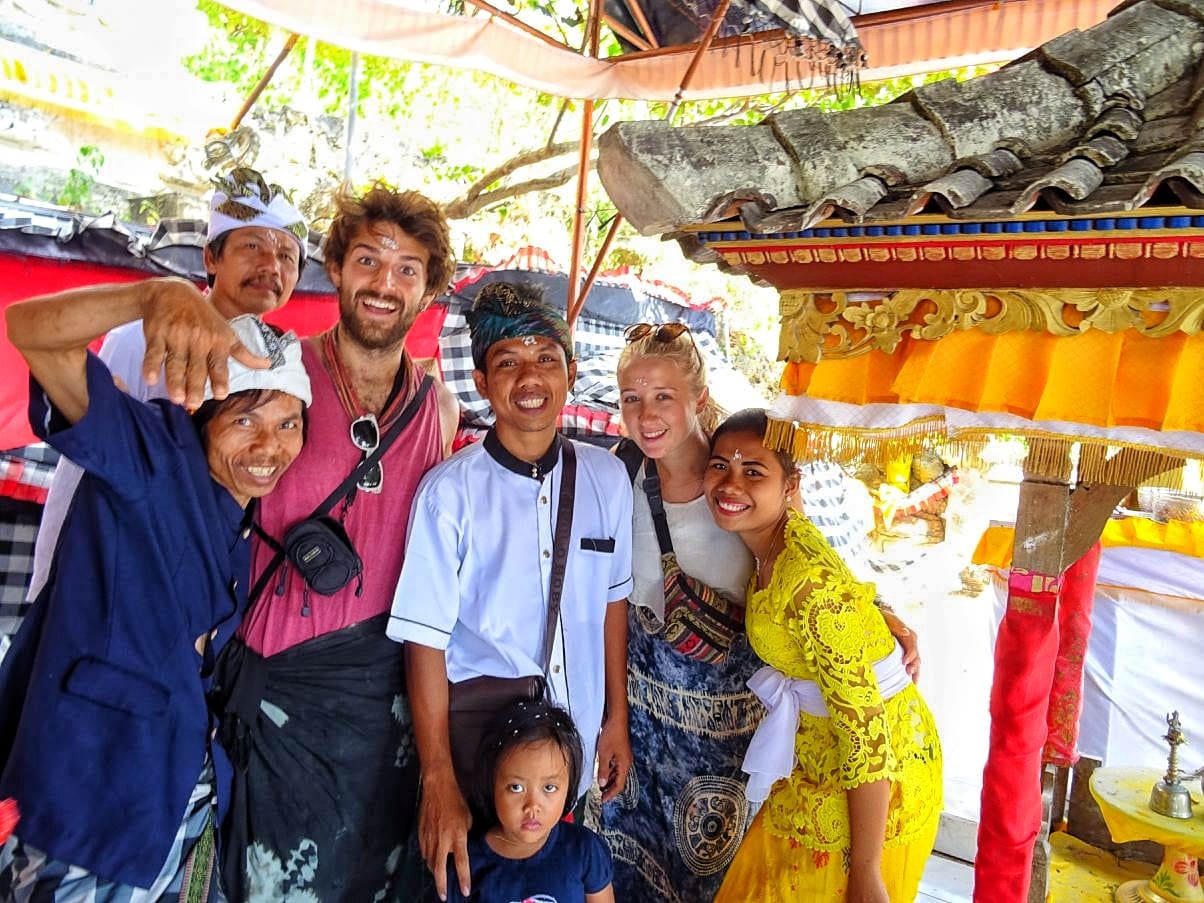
<point>574,862</point>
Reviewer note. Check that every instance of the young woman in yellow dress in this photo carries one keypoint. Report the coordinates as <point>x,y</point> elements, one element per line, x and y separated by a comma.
<point>847,759</point>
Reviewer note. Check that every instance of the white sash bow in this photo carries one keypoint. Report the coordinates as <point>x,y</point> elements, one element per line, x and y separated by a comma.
<point>770,755</point>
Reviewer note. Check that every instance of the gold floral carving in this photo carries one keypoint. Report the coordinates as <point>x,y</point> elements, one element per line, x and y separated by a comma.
<point>842,325</point>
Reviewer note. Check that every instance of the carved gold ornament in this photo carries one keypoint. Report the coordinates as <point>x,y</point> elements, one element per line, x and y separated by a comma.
<point>837,325</point>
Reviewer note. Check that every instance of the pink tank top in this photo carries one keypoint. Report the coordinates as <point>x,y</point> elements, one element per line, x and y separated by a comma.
<point>376,522</point>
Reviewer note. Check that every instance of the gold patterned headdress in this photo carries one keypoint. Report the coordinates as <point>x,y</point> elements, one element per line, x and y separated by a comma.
<point>244,198</point>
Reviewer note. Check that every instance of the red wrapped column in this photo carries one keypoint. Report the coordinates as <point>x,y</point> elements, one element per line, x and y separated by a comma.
<point>1036,698</point>
<point>1025,651</point>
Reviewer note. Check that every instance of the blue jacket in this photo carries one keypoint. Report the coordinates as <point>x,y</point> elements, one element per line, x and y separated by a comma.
<point>103,721</point>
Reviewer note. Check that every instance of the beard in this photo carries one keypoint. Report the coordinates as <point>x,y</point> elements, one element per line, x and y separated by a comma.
<point>376,336</point>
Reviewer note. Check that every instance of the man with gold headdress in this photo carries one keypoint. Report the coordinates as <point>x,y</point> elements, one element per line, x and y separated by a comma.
<point>477,598</point>
<point>254,252</point>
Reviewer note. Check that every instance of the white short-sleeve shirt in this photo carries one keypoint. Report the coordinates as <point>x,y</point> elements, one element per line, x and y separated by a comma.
<point>478,568</point>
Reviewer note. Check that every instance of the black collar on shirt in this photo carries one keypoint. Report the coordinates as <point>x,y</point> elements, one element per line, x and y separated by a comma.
<point>536,471</point>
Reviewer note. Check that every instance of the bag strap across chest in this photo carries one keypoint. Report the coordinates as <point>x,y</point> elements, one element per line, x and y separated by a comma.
<point>346,487</point>
<point>560,547</point>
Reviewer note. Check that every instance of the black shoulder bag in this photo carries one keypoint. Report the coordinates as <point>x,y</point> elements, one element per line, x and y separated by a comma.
<point>318,546</point>
<point>473,704</point>
<point>700,622</point>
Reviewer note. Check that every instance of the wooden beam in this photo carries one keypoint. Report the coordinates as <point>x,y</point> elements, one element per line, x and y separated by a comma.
<point>637,12</point>
<point>1055,526</point>
<point>626,33</point>
<point>516,22</point>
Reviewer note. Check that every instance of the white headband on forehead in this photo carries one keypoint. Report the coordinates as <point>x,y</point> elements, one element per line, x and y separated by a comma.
<point>244,199</point>
<point>287,373</point>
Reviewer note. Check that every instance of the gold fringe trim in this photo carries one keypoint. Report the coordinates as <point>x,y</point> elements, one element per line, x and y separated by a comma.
<point>1089,460</point>
<point>1050,456</point>
<point>846,444</point>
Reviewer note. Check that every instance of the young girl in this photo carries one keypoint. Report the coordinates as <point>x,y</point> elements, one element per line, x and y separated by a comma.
<point>847,758</point>
<point>531,762</point>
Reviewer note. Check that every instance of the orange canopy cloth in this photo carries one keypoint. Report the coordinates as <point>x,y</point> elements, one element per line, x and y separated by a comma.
<point>1123,390</point>
<point>995,545</point>
<point>965,34</point>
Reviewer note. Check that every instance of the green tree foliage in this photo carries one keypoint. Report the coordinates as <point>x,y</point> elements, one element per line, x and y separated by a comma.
<point>77,190</point>
<point>502,157</point>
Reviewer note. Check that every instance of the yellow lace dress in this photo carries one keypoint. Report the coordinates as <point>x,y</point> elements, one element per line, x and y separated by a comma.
<point>814,621</point>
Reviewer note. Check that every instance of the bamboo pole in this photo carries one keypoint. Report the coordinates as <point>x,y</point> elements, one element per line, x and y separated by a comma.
<point>575,305</point>
<point>264,80</point>
<point>572,305</point>
<point>593,271</point>
<point>704,45</point>
<point>626,33</point>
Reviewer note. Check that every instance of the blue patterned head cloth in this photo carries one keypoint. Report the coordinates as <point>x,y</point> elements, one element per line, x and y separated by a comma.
<point>508,310</point>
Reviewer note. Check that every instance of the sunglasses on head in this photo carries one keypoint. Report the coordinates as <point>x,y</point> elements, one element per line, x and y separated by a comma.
<point>660,332</point>
<point>365,435</point>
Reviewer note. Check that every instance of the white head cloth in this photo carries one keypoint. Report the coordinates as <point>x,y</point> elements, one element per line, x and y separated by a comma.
<point>244,199</point>
<point>287,373</point>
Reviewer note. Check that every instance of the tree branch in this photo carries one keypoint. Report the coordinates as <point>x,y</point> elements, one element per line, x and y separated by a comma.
<point>479,196</point>
<point>464,207</point>
<point>518,161</point>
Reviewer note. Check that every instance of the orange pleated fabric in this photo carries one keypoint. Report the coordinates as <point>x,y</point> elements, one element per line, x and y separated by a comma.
<point>1104,380</point>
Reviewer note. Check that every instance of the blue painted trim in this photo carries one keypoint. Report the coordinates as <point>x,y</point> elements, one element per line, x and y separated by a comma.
<point>1006,227</point>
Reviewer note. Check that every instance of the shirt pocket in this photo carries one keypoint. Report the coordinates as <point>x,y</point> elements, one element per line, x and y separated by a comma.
<point>116,687</point>
<point>603,545</point>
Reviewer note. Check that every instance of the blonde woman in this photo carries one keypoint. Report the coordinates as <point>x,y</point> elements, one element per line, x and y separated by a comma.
<point>676,828</point>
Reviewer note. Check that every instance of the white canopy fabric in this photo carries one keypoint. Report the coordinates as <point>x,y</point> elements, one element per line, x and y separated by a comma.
<point>941,36</point>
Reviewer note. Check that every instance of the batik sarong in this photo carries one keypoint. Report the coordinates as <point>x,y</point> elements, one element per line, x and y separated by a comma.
<point>189,875</point>
<point>325,770</point>
<point>675,828</point>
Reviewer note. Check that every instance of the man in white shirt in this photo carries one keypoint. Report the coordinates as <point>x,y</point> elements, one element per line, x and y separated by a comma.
<point>255,250</point>
<point>472,600</point>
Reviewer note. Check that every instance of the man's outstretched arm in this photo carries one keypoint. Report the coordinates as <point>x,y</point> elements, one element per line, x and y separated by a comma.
<point>443,816</point>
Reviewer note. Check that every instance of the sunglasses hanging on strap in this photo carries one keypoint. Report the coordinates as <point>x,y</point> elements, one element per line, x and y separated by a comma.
<point>318,546</point>
<point>700,622</point>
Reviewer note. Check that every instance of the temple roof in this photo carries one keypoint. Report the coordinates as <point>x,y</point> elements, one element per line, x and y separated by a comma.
<point>1094,122</point>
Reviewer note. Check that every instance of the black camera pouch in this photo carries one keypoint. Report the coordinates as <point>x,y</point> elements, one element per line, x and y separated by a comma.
<point>323,554</point>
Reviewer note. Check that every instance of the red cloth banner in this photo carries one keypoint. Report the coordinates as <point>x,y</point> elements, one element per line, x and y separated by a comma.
<point>24,277</point>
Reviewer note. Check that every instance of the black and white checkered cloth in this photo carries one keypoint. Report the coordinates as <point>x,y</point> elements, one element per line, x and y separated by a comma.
<point>24,479</point>
<point>17,534</point>
<point>824,489</point>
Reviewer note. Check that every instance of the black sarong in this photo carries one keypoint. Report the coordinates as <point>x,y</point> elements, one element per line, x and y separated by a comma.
<point>325,770</point>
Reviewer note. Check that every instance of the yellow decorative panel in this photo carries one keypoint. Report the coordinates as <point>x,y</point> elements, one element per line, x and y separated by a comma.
<point>828,325</point>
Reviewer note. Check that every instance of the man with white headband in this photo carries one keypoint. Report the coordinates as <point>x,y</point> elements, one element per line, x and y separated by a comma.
<point>254,253</point>
<point>312,692</point>
<point>105,742</point>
